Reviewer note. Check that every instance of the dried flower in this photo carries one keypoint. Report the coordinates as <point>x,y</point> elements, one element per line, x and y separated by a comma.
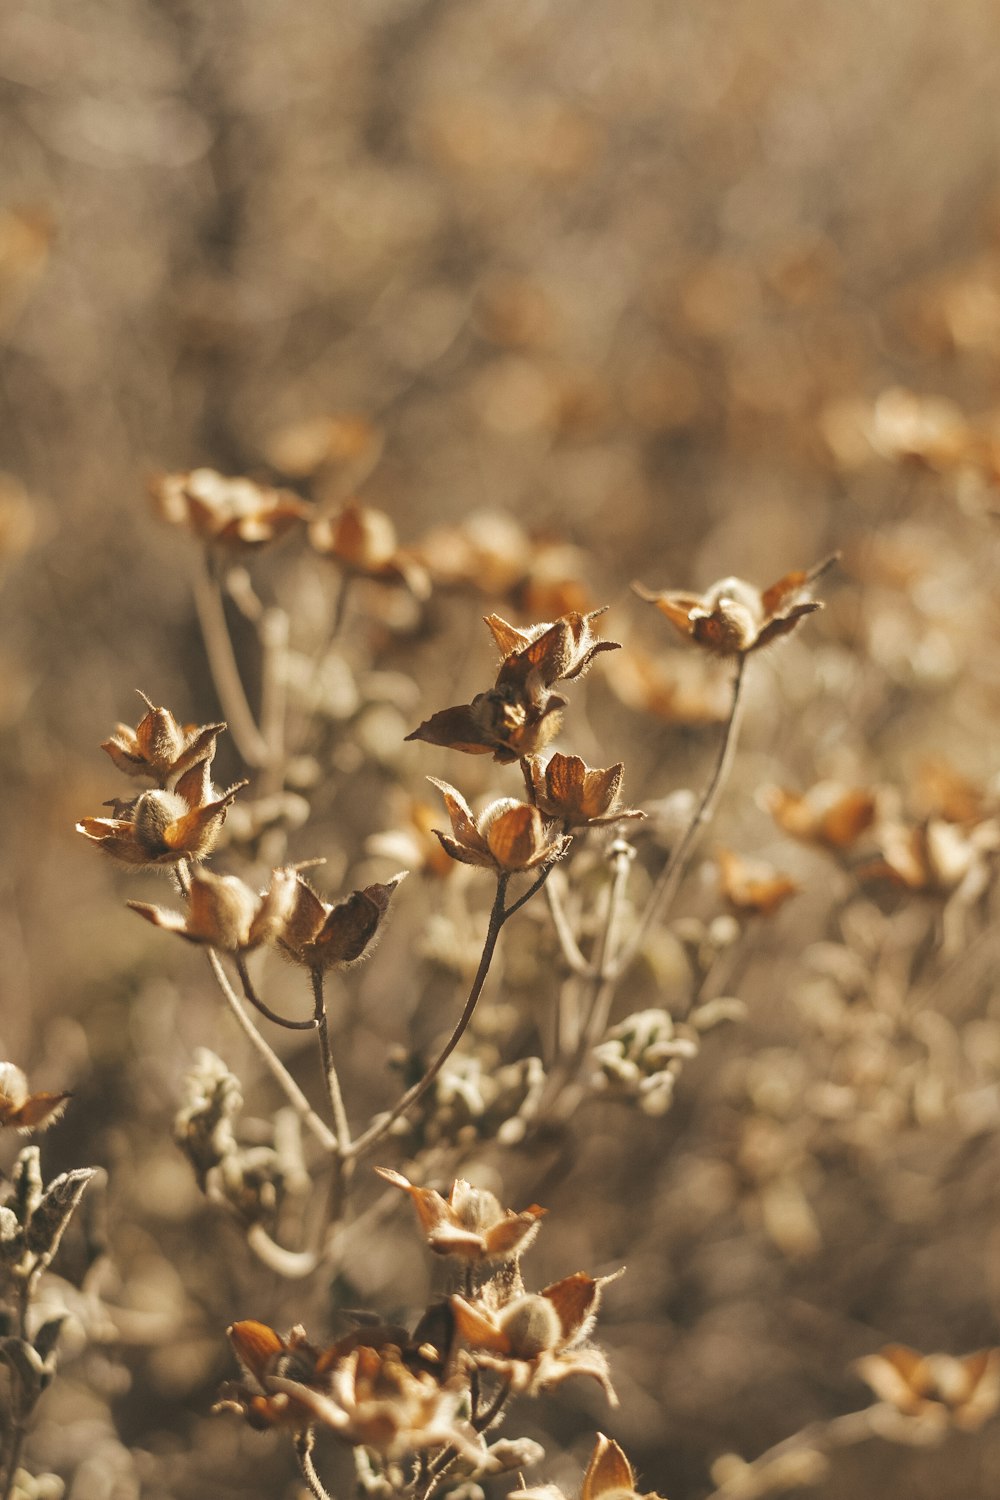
<point>828,813</point>
<point>537,1340</point>
<point>470,1222</point>
<point>159,747</point>
<point>963,1391</point>
<point>363,541</point>
<point>609,1473</point>
<point>23,1110</point>
<point>750,885</point>
<point>934,856</point>
<point>568,789</point>
<point>507,836</point>
<point>556,652</point>
<point>734,617</point>
<point>492,553</point>
<point>235,512</point>
<point>225,913</point>
<point>322,936</point>
<point>672,686</point>
<point>159,827</point>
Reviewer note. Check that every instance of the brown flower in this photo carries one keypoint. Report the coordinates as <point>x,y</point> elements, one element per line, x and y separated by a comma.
<point>537,1340</point>
<point>934,856</point>
<point>225,913</point>
<point>363,540</point>
<point>828,813</point>
<point>322,936</point>
<point>470,1222</point>
<point>672,686</point>
<point>556,652</point>
<point>236,512</point>
<point>22,1110</point>
<point>609,1473</point>
<point>507,836</point>
<point>413,842</point>
<point>159,747</point>
<point>158,828</point>
<point>750,885</point>
<point>493,554</point>
<point>568,789</point>
<point>963,1391</point>
<point>734,617</point>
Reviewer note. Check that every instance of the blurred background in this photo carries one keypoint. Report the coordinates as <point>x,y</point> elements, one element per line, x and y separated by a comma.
<point>694,289</point>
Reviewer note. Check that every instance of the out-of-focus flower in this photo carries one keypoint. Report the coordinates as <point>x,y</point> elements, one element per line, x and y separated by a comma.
<point>963,1391</point>
<point>363,540</point>
<point>507,836</point>
<point>303,448</point>
<point>828,813</point>
<point>734,617</point>
<point>322,936</point>
<point>642,1057</point>
<point>470,1222</point>
<point>609,1476</point>
<point>942,792</point>
<point>751,885</point>
<point>235,512</point>
<point>413,842</point>
<point>927,429</point>
<point>577,794</point>
<point>538,1340</point>
<point>556,652</point>
<point>21,1109</point>
<point>934,856</point>
<point>225,913</point>
<point>159,827</point>
<point>672,686</point>
<point>159,747</point>
<point>493,554</point>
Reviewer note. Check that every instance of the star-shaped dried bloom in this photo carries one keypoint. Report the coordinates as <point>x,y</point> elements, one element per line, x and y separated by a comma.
<point>159,747</point>
<point>829,814</point>
<point>538,1339</point>
<point>235,512</point>
<point>323,936</point>
<point>577,794</point>
<point>225,913</point>
<point>609,1476</point>
<point>961,1391</point>
<point>508,836</point>
<point>470,1222</point>
<point>22,1110</point>
<point>159,827</point>
<point>734,617</point>
<point>751,885</point>
<point>363,540</point>
<point>556,652</point>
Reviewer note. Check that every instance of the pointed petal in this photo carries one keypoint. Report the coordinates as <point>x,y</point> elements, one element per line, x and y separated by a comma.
<point>608,1469</point>
<point>478,1331</point>
<point>516,837</point>
<point>456,729</point>
<point>255,1346</point>
<point>170,921</point>
<point>508,638</point>
<point>463,824</point>
<point>575,1300</point>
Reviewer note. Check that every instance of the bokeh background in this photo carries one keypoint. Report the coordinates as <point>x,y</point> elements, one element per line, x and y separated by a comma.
<point>636,275</point>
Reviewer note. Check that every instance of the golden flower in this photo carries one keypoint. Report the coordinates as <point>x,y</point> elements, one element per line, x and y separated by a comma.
<point>507,836</point>
<point>363,540</point>
<point>828,813</point>
<point>470,1222</point>
<point>609,1474</point>
<point>225,913</point>
<point>23,1110</point>
<point>236,512</point>
<point>734,617</point>
<point>159,747</point>
<point>537,1340</point>
<point>321,936</point>
<point>159,827</point>
<point>568,789</point>
<point>961,1390</point>
<point>750,885</point>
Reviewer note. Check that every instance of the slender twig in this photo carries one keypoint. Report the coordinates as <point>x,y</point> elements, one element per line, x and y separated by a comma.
<point>273,633</point>
<point>330,1077</point>
<point>446,1458</point>
<point>303,1452</point>
<point>19,1422</point>
<point>224,668</point>
<point>382,1126</point>
<point>535,886</point>
<point>673,870</point>
<point>292,1264</point>
<point>340,605</point>
<point>567,942</point>
<point>272,1062</point>
<point>780,1467</point>
<point>606,961</point>
<point>265,1010</point>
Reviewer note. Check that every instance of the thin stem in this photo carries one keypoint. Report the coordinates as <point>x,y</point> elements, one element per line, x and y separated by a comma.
<point>381,1127</point>
<point>670,876</point>
<point>292,1264</point>
<point>332,1081</point>
<point>224,668</point>
<point>265,1010</point>
<point>536,885</point>
<point>272,1062</point>
<point>303,1452</point>
<point>567,942</point>
<point>19,1423</point>
<point>340,605</point>
<point>273,633</point>
<point>606,960</point>
<point>776,1469</point>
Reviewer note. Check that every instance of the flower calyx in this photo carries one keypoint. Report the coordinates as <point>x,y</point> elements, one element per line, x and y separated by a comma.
<point>960,1391</point>
<point>609,1476</point>
<point>323,936</point>
<point>223,912</point>
<point>470,1223</point>
<point>363,541</point>
<point>576,794</point>
<point>161,827</point>
<point>234,512</point>
<point>159,747</point>
<point>22,1110</point>
<point>734,617</point>
<point>508,836</point>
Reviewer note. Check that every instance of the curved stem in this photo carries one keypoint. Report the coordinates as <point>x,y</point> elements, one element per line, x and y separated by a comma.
<point>332,1081</point>
<point>567,942</point>
<point>292,1264</point>
<point>303,1452</point>
<point>265,1010</point>
<point>776,1469</point>
<point>382,1126</point>
<point>224,668</point>
<point>670,876</point>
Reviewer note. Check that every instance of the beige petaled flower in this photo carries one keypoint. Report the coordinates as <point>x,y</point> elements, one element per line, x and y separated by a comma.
<point>235,512</point>
<point>323,936</point>
<point>752,886</point>
<point>363,540</point>
<point>934,856</point>
<point>225,913</point>
<point>159,828</point>
<point>734,617</point>
<point>557,652</point>
<point>609,1476</point>
<point>961,1390</point>
<point>538,1340</point>
<point>508,836</point>
<point>159,747</point>
<point>470,1222</point>
<point>21,1109</point>
<point>578,795</point>
<point>829,814</point>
